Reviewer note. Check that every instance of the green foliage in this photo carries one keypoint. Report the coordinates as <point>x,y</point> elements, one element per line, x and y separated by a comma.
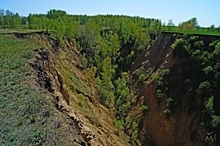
<point>208,69</point>
<point>167,112</point>
<point>142,77</point>
<point>215,121</point>
<point>123,95</point>
<point>134,137</point>
<point>134,125</point>
<point>169,102</point>
<point>118,124</point>
<point>193,52</point>
<point>178,44</point>
<point>9,20</point>
<point>159,93</point>
<point>106,86</point>
<point>198,44</point>
<point>125,107</point>
<point>92,72</point>
<point>107,72</point>
<point>157,79</point>
<point>144,71</point>
<point>127,123</point>
<point>144,108</point>
<point>204,87</point>
<point>191,24</point>
<point>134,134</point>
<point>217,49</point>
<point>81,98</point>
<point>107,97</point>
<point>209,105</point>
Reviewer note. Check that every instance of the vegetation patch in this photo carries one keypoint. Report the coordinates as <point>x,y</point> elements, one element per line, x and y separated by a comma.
<point>23,113</point>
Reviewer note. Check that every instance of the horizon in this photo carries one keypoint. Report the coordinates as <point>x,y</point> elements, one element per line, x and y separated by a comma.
<point>177,11</point>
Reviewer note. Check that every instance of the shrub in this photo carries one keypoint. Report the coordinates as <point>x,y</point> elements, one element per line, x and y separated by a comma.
<point>142,77</point>
<point>134,137</point>
<point>169,102</point>
<point>144,107</point>
<point>167,112</point>
<point>209,105</point>
<point>156,78</point>
<point>215,121</point>
<point>207,69</point>
<point>118,124</point>
<point>159,93</point>
<point>178,44</point>
<point>204,86</point>
<point>81,98</point>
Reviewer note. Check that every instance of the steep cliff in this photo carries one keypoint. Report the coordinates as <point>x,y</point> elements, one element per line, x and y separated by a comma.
<point>170,90</point>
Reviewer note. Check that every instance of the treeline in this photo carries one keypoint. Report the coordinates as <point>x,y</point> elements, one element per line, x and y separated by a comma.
<point>11,20</point>
<point>191,26</point>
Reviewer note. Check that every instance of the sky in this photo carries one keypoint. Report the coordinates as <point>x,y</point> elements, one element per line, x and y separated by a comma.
<point>207,12</point>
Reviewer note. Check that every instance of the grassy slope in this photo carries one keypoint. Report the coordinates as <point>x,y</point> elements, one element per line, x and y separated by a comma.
<point>22,112</point>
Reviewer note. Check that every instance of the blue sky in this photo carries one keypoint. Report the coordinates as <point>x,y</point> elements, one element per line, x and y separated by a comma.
<point>207,12</point>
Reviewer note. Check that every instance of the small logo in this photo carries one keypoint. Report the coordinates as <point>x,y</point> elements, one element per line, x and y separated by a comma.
<point>210,136</point>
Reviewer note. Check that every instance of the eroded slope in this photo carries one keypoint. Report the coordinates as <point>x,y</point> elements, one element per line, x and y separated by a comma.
<point>170,89</point>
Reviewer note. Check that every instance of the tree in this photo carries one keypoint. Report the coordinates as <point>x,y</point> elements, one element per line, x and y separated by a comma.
<point>2,17</point>
<point>191,24</point>
<point>55,14</point>
<point>107,72</point>
<point>212,27</point>
<point>170,24</point>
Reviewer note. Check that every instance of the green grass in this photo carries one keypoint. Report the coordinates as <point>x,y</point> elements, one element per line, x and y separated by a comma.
<point>193,32</point>
<point>22,112</point>
<point>10,31</point>
<point>70,78</point>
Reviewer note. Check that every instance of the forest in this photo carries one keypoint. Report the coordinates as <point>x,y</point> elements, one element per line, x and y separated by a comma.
<point>109,44</point>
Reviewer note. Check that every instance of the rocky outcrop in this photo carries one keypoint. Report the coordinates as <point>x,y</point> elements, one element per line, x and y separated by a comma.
<point>47,75</point>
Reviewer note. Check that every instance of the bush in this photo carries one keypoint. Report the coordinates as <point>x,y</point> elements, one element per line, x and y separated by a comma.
<point>156,78</point>
<point>207,69</point>
<point>118,124</point>
<point>142,77</point>
<point>144,107</point>
<point>209,105</point>
<point>159,93</point>
<point>134,137</point>
<point>169,102</point>
<point>215,121</point>
<point>204,87</point>
<point>178,44</point>
<point>81,98</point>
<point>167,112</point>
